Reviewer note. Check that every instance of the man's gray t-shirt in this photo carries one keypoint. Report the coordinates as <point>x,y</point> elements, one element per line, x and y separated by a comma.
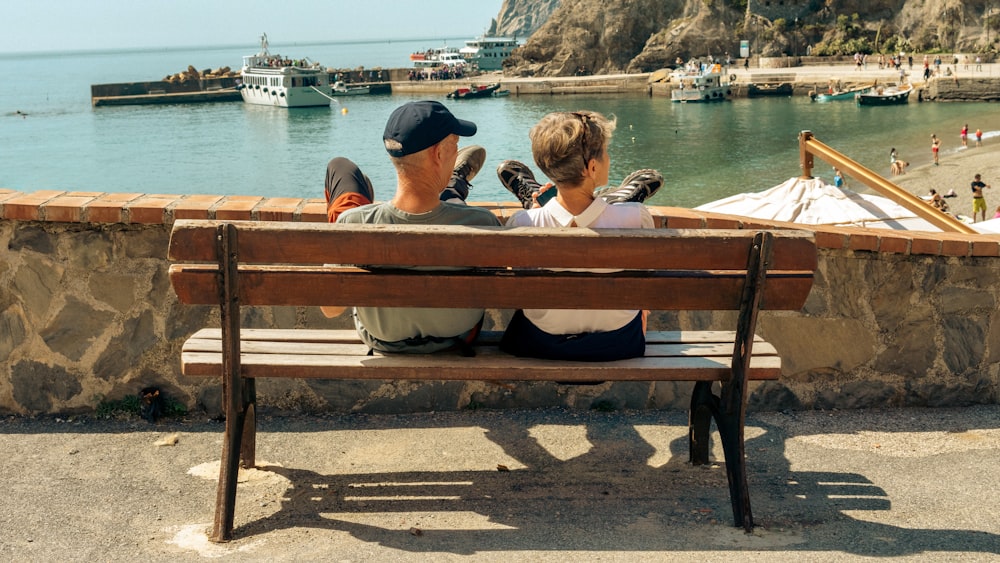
<point>391,326</point>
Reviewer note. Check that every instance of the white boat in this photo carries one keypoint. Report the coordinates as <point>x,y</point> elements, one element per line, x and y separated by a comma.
<point>432,53</point>
<point>436,58</point>
<point>273,80</point>
<point>701,84</point>
<point>488,53</point>
<point>341,89</point>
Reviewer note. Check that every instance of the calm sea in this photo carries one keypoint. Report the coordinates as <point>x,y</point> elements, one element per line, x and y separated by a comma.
<point>706,152</point>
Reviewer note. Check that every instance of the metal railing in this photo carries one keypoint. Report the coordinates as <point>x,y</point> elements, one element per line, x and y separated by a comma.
<point>810,147</point>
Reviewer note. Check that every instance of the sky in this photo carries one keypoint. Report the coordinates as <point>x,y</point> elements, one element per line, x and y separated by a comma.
<point>83,25</point>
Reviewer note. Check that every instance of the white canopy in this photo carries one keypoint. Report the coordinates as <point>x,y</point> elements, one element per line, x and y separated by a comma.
<point>813,202</point>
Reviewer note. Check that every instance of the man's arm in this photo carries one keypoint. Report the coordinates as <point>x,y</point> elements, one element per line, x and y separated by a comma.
<point>330,311</point>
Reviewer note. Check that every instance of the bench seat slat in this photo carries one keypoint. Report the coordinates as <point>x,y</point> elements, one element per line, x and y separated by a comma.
<point>350,335</point>
<point>489,365</point>
<point>339,354</point>
<point>720,349</point>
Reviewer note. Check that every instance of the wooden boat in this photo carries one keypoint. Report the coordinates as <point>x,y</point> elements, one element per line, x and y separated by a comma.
<point>762,90</point>
<point>840,95</point>
<point>885,96</point>
<point>474,91</point>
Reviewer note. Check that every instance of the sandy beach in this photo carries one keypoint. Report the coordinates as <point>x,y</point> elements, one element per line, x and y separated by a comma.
<point>955,172</point>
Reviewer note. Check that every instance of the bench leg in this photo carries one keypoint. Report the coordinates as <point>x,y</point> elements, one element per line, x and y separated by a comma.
<point>731,433</point>
<point>704,405</point>
<point>248,445</point>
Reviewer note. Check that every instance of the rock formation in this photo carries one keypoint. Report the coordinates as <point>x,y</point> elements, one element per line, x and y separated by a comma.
<point>520,18</point>
<point>608,36</point>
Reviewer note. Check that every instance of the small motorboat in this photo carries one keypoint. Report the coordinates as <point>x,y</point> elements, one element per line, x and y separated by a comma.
<point>341,89</point>
<point>762,90</point>
<point>836,95</point>
<point>885,96</point>
<point>474,91</point>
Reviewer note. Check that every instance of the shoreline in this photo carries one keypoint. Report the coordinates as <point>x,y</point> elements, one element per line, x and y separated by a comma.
<point>956,171</point>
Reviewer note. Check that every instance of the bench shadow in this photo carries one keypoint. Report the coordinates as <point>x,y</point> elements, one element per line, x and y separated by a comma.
<point>608,499</point>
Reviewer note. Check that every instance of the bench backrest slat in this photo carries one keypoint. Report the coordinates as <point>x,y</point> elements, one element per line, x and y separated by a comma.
<point>350,286</point>
<point>523,247</point>
<point>283,264</point>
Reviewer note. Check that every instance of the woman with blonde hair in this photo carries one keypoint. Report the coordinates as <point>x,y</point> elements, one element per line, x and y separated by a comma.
<point>571,148</point>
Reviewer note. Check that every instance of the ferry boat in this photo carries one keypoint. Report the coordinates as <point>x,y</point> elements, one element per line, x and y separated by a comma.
<point>272,80</point>
<point>701,84</point>
<point>488,53</point>
<point>431,53</point>
<point>449,59</point>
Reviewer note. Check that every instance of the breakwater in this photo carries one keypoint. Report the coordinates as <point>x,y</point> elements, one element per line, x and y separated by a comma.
<point>969,87</point>
<point>894,319</point>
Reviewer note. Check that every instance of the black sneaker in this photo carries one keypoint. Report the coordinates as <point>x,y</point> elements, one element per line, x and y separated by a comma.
<point>637,187</point>
<point>467,164</point>
<point>518,178</point>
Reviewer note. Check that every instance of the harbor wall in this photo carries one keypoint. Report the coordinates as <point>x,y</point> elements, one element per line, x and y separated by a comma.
<point>88,315</point>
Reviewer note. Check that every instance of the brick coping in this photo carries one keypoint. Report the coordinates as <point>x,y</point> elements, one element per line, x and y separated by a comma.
<point>164,209</point>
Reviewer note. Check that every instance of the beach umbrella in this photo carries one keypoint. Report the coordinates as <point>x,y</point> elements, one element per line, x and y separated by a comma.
<point>814,202</point>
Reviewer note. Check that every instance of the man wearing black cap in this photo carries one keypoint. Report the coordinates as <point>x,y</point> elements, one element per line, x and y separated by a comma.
<point>422,141</point>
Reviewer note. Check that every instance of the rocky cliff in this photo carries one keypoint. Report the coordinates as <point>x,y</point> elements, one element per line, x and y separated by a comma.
<point>521,18</point>
<point>609,36</point>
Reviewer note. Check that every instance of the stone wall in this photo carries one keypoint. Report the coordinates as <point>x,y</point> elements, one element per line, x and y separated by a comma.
<point>88,313</point>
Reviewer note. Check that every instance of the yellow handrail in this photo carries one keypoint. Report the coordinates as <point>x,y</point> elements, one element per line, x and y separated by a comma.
<point>809,147</point>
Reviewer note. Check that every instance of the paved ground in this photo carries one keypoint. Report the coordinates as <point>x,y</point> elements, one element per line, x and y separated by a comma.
<point>910,484</point>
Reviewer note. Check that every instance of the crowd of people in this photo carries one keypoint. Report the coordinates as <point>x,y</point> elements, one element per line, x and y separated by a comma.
<point>443,72</point>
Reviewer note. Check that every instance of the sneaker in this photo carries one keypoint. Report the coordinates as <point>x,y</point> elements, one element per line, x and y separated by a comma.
<point>467,164</point>
<point>518,178</point>
<point>637,187</point>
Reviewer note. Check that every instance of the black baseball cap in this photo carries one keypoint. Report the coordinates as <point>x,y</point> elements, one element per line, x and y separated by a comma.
<point>418,125</point>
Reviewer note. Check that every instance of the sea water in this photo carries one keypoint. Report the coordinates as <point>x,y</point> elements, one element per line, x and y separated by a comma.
<point>52,139</point>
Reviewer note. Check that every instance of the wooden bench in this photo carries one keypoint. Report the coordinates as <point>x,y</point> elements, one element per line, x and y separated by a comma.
<point>235,264</point>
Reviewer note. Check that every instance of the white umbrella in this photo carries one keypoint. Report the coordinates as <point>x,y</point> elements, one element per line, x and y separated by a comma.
<point>813,202</point>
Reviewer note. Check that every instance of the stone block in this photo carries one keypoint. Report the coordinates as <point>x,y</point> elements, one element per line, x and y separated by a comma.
<point>12,331</point>
<point>37,281</point>
<point>866,394</point>
<point>117,290</point>
<point>91,250</point>
<point>808,343</point>
<point>910,349</point>
<point>964,342</point>
<point>75,328</point>
<point>125,351</point>
<point>40,388</point>
<point>343,395</point>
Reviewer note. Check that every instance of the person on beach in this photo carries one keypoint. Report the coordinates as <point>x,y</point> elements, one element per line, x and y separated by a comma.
<point>896,166</point>
<point>965,135</point>
<point>978,200</point>
<point>838,178</point>
<point>935,148</point>
<point>996,214</point>
<point>433,178</point>
<point>938,202</point>
<point>979,137</point>
<point>571,148</point>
